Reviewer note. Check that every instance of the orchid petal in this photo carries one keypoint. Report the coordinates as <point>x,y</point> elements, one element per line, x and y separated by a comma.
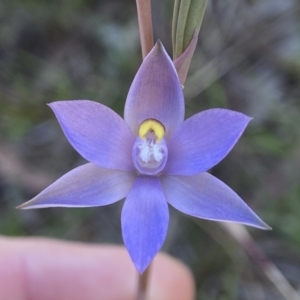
<point>204,140</point>
<point>84,186</point>
<point>99,134</point>
<point>155,93</point>
<point>145,218</point>
<point>205,196</point>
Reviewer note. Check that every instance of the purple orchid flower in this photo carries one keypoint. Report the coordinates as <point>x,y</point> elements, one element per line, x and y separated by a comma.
<point>152,157</point>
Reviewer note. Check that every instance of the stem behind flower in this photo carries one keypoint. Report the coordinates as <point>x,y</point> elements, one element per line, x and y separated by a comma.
<point>142,285</point>
<point>145,25</point>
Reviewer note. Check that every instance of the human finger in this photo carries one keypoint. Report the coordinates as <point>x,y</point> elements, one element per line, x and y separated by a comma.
<point>44,269</point>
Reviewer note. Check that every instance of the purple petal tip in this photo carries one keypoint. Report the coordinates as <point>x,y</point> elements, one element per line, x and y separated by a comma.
<point>155,93</point>
<point>145,219</point>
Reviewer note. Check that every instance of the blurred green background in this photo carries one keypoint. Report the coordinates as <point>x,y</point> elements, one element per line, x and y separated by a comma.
<point>247,59</point>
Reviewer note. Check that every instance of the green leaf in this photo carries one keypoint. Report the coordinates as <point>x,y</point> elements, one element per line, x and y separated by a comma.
<point>187,16</point>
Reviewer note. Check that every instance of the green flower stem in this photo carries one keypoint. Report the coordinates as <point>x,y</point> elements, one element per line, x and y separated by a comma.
<point>145,25</point>
<point>143,284</point>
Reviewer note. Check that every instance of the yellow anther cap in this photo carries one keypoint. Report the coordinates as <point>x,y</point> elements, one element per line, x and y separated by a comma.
<point>153,125</point>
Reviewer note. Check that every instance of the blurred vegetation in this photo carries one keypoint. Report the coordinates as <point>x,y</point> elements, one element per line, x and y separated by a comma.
<point>247,59</point>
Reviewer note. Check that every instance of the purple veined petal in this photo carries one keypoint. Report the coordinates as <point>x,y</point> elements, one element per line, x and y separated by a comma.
<point>155,93</point>
<point>205,196</point>
<point>99,134</point>
<point>204,140</point>
<point>145,218</point>
<point>84,186</point>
